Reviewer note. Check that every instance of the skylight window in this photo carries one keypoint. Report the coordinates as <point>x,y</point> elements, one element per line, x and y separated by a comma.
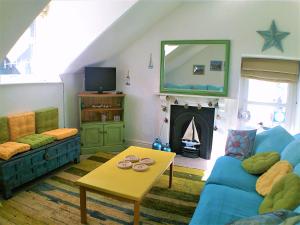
<point>19,58</point>
<point>21,64</point>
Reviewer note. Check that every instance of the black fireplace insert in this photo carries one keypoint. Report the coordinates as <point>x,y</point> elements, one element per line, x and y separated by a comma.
<point>204,122</point>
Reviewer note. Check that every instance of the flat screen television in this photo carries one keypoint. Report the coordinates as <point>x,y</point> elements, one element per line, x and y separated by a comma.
<point>100,79</point>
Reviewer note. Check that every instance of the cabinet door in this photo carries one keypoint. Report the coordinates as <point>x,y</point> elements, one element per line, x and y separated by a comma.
<point>92,136</point>
<point>113,134</point>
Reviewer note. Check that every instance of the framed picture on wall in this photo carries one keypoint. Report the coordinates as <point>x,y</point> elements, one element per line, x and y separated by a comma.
<point>216,65</point>
<point>198,69</point>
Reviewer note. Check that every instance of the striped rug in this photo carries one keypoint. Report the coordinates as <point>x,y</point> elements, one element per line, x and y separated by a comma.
<point>55,200</point>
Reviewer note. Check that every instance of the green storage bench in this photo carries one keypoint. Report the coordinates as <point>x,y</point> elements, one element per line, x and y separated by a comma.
<point>46,152</point>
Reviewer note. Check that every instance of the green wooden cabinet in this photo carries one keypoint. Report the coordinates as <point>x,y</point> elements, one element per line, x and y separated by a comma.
<point>113,134</point>
<point>101,122</point>
<point>91,135</point>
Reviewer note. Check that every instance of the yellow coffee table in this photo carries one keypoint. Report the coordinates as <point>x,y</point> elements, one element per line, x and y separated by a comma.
<point>125,184</point>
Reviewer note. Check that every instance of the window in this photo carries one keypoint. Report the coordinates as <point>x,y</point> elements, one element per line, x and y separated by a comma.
<point>18,60</point>
<point>266,103</point>
<point>268,92</point>
<point>23,62</point>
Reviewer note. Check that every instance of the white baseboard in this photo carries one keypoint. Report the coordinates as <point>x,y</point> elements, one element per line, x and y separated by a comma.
<point>139,143</point>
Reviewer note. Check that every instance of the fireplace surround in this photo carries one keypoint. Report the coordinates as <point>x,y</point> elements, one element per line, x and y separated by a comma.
<point>225,111</point>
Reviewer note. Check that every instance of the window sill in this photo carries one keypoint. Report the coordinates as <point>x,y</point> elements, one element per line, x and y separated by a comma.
<point>28,79</point>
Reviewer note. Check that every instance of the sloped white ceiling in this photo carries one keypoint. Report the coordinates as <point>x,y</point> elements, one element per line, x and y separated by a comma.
<point>15,17</point>
<point>128,28</point>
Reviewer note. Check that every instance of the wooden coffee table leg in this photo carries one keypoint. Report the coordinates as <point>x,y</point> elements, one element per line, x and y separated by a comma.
<point>136,215</point>
<point>171,175</point>
<point>83,205</point>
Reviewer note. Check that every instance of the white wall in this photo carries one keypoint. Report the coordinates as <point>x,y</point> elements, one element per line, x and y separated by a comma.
<point>70,27</point>
<point>17,98</point>
<point>73,84</point>
<point>237,21</point>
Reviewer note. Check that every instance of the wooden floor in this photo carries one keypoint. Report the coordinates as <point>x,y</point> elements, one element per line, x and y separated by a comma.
<point>54,199</point>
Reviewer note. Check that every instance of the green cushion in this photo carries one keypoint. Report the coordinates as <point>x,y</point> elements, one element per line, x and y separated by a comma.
<point>46,119</point>
<point>285,194</point>
<point>36,140</point>
<point>4,135</point>
<point>260,162</point>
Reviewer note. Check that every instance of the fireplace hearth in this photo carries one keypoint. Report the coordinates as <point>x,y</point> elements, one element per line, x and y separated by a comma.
<point>180,120</point>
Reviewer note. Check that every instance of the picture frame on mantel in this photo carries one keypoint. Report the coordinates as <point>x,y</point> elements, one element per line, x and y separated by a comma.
<point>179,56</point>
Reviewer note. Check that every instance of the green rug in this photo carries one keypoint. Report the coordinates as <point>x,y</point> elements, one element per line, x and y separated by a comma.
<point>55,200</point>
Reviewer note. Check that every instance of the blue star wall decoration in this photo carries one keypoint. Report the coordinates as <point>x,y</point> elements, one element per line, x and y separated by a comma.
<point>273,37</point>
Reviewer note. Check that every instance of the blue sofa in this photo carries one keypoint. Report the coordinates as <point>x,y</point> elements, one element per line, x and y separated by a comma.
<point>229,193</point>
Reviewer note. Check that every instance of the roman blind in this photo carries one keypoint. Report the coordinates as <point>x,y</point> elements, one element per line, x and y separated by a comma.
<point>276,70</point>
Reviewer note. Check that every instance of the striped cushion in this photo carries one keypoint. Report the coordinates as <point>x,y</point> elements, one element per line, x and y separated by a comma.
<point>21,125</point>
<point>46,119</point>
<point>4,135</point>
<point>9,149</point>
<point>61,133</point>
<point>36,140</point>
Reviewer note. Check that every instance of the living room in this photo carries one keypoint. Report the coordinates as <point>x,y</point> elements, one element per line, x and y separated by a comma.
<point>131,42</point>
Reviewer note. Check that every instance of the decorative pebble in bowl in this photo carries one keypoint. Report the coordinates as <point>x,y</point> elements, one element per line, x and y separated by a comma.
<point>132,158</point>
<point>124,164</point>
<point>147,161</point>
<point>140,167</point>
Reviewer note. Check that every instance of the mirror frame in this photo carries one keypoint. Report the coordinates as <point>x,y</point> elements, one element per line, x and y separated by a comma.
<point>224,93</point>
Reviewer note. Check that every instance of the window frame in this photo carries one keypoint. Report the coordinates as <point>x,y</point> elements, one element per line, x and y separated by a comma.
<point>290,104</point>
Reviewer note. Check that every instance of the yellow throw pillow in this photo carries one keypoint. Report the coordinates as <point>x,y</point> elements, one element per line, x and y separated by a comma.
<point>266,181</point>
<point>20,125</point>
<point>9,149</point>
<point>61,133</point>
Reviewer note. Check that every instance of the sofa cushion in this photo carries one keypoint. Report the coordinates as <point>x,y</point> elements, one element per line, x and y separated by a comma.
<point>220,204</point>
<point>266,181</point>
<point>21,125</point>
<point>9,149</point>
<point>297,136</point>
<point>61,133</point>
<point>285,194</point>
<point>276,217</point>
<point>297,169</point>
<point>291,152</point>
<point>228,171</point>
<point>46,119</point>
<point>36,140</point>
<point>274,139</point>
<point>260,162</point>
<point>4,135</point>
<point>239,143</point>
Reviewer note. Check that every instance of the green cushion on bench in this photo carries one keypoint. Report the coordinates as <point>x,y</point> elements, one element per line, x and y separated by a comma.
<point>46,119</point>
<point>36,140</point>
<point>4,135</point>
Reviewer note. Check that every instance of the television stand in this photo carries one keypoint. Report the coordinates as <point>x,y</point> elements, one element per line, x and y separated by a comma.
<point>101,121</point>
